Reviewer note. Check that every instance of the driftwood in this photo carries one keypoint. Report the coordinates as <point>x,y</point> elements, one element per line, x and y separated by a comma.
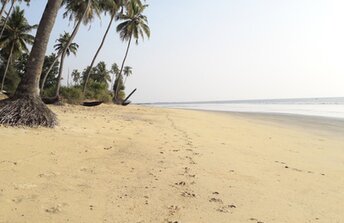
<point>91,103</point>
<point>125,101</point>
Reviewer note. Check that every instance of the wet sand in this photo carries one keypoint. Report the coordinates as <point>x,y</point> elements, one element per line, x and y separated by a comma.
<point>140,164</point>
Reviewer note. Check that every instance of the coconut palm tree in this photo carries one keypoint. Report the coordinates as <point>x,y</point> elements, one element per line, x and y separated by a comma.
<point>3,7</point>
<point>62,46</point>
<point>115,72</point>
<point>127,71</point>
<point>16,38</point>
<point>79,11</point>
<point>8,14</point>
<point>112,7</point>
<point>26,108</point>
<point>76,75</point>
<point>134,25</point>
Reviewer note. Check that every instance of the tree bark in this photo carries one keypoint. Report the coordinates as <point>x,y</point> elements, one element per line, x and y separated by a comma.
<point>96,55</point>
<point>26,108</point>
<point>29,85</point>
<point>58,85</point>
<point>75,31</point>
<point>47,73</point>
<point>7,17</point>
<point>7,66</point>
<point>120,72</point>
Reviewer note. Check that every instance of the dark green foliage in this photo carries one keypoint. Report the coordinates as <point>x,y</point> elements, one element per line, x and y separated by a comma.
<point>12,79</point>
<point>71,95</point>
<point>119,84</point>
<point>13,43</point>
<point>51,80</point>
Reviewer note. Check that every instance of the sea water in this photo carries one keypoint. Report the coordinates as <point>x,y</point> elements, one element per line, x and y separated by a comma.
<point>323,107</point>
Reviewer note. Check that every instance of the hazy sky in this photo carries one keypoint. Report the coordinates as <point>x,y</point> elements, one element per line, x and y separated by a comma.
<point>224,49</point>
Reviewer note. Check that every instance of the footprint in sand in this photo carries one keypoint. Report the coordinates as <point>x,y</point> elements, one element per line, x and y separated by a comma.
<point>182,183</point>
<point>188,194</point>
<point>173,209</point>
<point>226,208</point>
<point>216,200</point>
<point>257,221</point>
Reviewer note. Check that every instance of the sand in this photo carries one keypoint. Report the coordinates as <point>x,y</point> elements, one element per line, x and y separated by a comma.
<point>140,165</point>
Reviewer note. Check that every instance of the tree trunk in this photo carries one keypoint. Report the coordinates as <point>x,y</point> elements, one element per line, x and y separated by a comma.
<point>96,55</point>
<point>3,8</point>
<point>58,85</point>
<point>116,99</point>
<point>26,108</point>
<point>75,31</point>
<point>6,69</point>
<point>47,73</point>
<point>7,17</point>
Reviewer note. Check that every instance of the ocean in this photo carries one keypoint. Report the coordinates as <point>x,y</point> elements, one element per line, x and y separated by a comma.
<point>322,107</point>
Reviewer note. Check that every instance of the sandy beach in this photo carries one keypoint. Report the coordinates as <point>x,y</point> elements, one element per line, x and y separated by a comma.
<point>138,164</point>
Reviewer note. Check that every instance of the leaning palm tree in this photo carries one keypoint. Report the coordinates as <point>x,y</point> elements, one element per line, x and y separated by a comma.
<point>3,7</point>
<point>62,46</point>
<point>134,25</point>
<point>16,38</point>
<point>127,71</point>
<point>26,108</point>
<point>79,11</point>
<point>4,22</point>
<point>112,7</point>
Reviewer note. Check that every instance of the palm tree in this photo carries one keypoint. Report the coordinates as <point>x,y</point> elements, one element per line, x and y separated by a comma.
<point>115,72</point>
<point>62,46</point>
<point>16,37</point>
<point>8,14</point>
<point>134,25</point>
<point>111,6</point>
<point>3,7</point>
<point>127,71</point>
<point>76,75</point>
<point>99,74</point>
<point>26,108</point>
<point>79,11</point>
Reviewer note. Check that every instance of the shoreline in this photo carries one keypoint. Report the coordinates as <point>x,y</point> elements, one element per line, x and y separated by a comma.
<point>316,124</point>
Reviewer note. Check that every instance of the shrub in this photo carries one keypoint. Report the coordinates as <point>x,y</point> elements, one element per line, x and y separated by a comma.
<point>72,95</point>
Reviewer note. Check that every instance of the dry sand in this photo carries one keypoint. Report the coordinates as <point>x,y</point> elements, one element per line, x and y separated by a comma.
<point>141,165</point>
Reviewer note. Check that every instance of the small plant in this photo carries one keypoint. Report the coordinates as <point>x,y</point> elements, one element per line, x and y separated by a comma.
<point>72,95</point>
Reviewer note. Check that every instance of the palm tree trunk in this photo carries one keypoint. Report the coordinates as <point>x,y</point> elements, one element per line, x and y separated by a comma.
<point>47,73</point>
<point>120,73</point>
<point>7,17</point>
<point>58,85</point>
<point>96,55</point>
<point>26,108</point>
<point>75,31</point>
<point>3,8</point>
<point>7,66</point>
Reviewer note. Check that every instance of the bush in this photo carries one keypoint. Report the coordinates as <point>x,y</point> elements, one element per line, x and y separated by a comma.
<point>121,95</point>
<point>72,95</point>
<point>49,92</point>
<point>104,96</point>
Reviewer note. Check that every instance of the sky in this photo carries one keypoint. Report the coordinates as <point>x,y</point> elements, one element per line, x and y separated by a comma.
<point>223,49</point>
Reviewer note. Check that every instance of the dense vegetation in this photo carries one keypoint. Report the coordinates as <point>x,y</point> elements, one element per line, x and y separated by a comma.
<point>27,77</point>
